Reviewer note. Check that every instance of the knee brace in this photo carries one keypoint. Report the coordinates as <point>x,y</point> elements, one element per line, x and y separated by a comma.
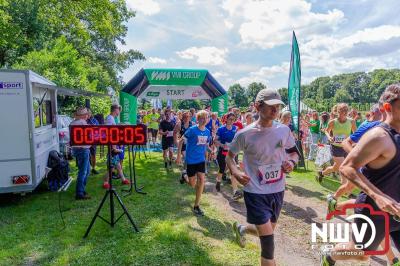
<point>267,247</point>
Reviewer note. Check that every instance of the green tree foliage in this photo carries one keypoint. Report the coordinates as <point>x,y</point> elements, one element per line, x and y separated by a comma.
<point>342,96</point>
<point>253,89</point>
<point>359,87</point>
<point>187,104</point>
<point>62,63</point>
<point>73,43</point>
<point>381,78</point>
<point>94,28</point>
<point>237,96</point>
<point>284,94</point>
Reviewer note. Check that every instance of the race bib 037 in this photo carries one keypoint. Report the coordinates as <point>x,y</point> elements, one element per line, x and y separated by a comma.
<point>270,173</point>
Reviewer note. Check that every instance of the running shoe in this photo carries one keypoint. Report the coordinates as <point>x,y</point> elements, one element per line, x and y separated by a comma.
<point>325,259</point>
<point>331,203</point>
<point>395,262</point>
<point>239,238</point>
<point>126,182</point>
<point>115,176</point>
<point>95,172</point>
<point>183,178</point>
<point>218,186</point>
<point>237,195</point>
<point>197,211</point>
<point>319,177</point>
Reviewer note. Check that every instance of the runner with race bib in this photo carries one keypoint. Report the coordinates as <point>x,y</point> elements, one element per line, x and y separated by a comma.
<point>197,140</point>
<point>377,154</point>
<point>269,153</point>
<point>340,128</point>
<point>225,135</point>
<point>167,141</point>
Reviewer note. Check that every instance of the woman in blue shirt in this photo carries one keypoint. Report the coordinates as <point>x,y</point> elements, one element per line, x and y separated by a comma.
<point>197,140</point>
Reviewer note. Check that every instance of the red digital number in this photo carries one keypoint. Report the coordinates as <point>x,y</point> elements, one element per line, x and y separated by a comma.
<point>114,135</point>
<point>103,132</point>
<point>129,135</point>
<point>139,134</point>
<point>107,135</point>
<point>78,135</point>
<point>89,136</point>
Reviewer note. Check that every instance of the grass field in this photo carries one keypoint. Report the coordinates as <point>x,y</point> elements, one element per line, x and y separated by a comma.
<point>32,233</point>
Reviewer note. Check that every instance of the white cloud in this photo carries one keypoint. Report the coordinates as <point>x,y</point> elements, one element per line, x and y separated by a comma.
<point>363,50</point>
<point>228,24</point>
<point>207,55</point>
<point>384,32</point>
<point>265,74</point>
<point>245,81</point>
<point>157,60</point>
<point>219,74</point>
<point>272,71</point>
<point>147,7</point>
<point>269,23</point>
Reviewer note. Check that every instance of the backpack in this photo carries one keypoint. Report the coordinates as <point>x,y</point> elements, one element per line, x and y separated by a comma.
<point>58,174</point>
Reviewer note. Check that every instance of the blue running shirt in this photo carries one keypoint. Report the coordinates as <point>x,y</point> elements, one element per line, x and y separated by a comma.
<point>196,144</point>
<point>225,135</point>
<point>362,129</point>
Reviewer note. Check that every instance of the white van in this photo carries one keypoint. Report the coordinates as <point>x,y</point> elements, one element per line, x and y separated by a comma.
<point>28,105</point>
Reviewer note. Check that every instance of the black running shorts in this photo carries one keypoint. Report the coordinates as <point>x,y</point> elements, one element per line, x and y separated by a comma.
<point>192,169</point>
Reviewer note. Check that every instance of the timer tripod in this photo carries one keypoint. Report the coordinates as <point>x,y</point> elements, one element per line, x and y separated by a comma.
<point>108,135</point>
<point>110,193</point>
<point>132,172</point>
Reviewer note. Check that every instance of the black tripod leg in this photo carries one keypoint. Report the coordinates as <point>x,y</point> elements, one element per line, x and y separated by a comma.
<point>137,189</point>
<point>144,152</point>
<point>97,214</point>
<point>125,211</point>
<point>130,172</point>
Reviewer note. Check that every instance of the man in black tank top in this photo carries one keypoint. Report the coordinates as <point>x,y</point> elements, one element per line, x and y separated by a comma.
<point>378,156</point>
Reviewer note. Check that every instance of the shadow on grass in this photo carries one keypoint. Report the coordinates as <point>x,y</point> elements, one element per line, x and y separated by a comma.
<point>306,215</point>
<point>303,192</point>
<point>303,171</point>
<point>215,228</point>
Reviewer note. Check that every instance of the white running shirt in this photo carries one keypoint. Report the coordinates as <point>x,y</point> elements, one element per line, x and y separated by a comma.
<point>264,152</point>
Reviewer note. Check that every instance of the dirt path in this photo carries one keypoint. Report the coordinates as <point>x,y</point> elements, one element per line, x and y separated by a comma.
<point>293,234</point>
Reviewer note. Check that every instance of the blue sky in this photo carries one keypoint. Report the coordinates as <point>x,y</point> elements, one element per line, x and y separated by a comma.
<point>241,41</point>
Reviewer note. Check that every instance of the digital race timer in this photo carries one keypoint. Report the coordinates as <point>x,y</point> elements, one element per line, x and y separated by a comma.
<point>107,135</point>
